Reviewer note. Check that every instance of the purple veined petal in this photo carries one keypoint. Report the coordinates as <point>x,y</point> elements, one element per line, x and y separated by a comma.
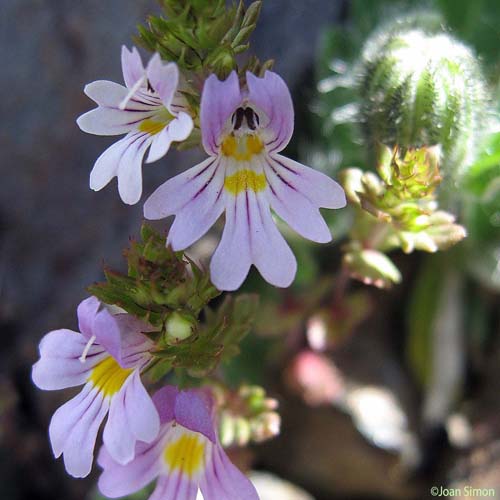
<point>73,430</point>
<point>135,346</point>
<point>132,66</point>
<point>174,487</point>
<point>295,208</point>
<point>270,252</point>
<point>107,333</point>
<point>86,312</point>
<point>219,100</point>
<point>141,412</point>
<point>124,160</point>
<point>164,401</point>
<point>119,480</point>
<point>118,437</point>
<point>271,95</point>
<point>164,78</point>
<point>321,190</point>
<point>223,480</point>
<point>174,194</point>
<point>199,214</point>
<point>122,336</point>
<point>110,95</point>
<point>132,417</point>
<point>181,127</point>
<point>105,93</point>
<point>130,170</point>
<point>106,166</point>
<point>232,258</point>
<point>59,365</point>
<point>163,483</point>
<point>160,145</point>
<point>193,413</point>
<point>112,121</point>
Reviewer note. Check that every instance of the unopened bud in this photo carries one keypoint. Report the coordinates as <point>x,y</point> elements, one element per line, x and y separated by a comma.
<point>372,268</point>
<point>421,87</point>
<point>178,327</point>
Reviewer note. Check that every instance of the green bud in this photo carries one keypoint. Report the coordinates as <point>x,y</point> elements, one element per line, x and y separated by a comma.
<point>221,62</point>
<point>242,431</point>
<point>252,13</point>
<point>226,429</point>
<point>422,87</point>
<point>265,426</point>
<point>350,178</point>
<point>178,327</point>
<point>372,268</point>
<point>246,415</point>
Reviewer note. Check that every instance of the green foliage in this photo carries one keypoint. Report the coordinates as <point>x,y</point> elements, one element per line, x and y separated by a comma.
<point>396,210</point>
<point>216,339</point>
<point>246,415</point>
<point>423,309</point>
<point>481,208</point>
<point>158,282</point>
<point>202,37</point>
<point>170,292</point>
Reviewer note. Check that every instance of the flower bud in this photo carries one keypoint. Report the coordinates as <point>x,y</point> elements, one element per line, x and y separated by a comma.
<point>422,87</point>
<point>178,327</point>
<point>372,268</point>
<point>246,415</point>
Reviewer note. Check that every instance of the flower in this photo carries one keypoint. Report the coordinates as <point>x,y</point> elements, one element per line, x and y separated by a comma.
<point>243,132</point>
<point>186,455</point>
<point>149,110</point>
<point>107,356</point>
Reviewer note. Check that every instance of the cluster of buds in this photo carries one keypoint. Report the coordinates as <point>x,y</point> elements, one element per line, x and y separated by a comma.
<point>246,415</point>
<point>169,292</point>
<point>396,209</point>
<point>204,37</point>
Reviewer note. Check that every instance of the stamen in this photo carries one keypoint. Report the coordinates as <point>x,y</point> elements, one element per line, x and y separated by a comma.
<point>86,350</point>
<point>245,114</point>
<point>237,118</point>
<point>137,85</point>
<point>249,115</point>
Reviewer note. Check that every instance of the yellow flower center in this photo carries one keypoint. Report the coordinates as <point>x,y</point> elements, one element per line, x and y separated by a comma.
<point>108,376</point>
<point>243,180</point>
<point>153,126</point>
<point>185,454</point>
<point>242,148</point>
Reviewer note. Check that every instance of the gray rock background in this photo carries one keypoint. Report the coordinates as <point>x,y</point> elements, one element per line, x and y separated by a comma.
<point>55,232</point>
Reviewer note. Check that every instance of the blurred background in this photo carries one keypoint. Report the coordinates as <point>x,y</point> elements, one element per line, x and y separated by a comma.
<point>383,392</point>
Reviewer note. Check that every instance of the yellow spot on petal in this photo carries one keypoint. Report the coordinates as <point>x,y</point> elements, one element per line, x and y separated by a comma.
<point>242,148</point>
<point>243,180</point>
<point>151,127</point>
<point>108,376</point>
<point>186,454</point>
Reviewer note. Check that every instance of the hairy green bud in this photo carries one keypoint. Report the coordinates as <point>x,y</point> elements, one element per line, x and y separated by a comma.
<point>422,88</point>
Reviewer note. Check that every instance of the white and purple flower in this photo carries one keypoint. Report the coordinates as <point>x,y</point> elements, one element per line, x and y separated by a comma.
<point>107,357</point>
<point>149,110</point>
<point>185,457</point>
<point>243,132</point>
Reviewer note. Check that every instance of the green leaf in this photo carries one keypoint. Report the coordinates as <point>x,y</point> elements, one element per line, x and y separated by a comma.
<point>423,308</point>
